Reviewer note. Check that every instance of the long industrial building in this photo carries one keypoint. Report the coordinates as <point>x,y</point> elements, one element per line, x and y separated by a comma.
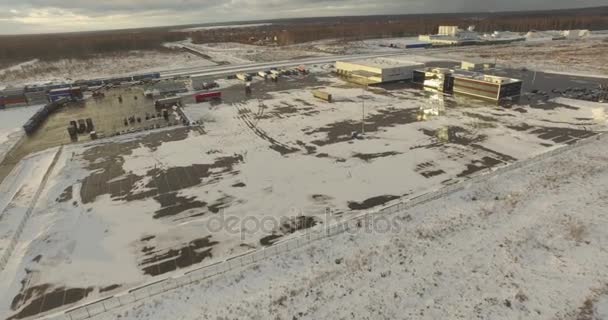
<point>378,70</point>
<point>486,86</point>
<point>469,83</point>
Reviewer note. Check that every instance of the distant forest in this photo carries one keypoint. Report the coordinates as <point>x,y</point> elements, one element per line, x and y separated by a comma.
<point>82,45</point>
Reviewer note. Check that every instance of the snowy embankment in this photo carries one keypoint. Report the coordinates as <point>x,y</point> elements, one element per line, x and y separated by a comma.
<point>17,193</point>
<point>525,244</point>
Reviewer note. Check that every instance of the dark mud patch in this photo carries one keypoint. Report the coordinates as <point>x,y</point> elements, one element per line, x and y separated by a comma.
<point>371,156</point>
<point>432,173</point>
<point>286,109</point>
<point>147,238</point>
<point>172,204</point>
<point>480,117</point>
<point>551,106</point>
<point>321,198</point>
<point>108,176</point>
<point>66,195</point>
<point>520,127</point>
<point>342,131</point>
<point>371,202</point>
<point>289,226</point>
<point>427,169</point>
<point>270,240</point>
<point>220,204</point>
<point>454,134</point>
<point>520,110</point>
<point>309,148</point>
<point>562,135</point>
<point>304,102</point>
<point>109,288</point>
<point>43,298</point>
<point>479,165</point>
<point>555,134</point>
<point>161,262</point>
<point>501,156</point>
<point>106,161</point>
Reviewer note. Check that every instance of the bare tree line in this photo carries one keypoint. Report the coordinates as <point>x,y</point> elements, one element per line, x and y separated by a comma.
<point>83,45</point>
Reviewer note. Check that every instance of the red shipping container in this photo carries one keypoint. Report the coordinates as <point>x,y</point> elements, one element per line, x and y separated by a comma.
<point>14,100</point>
<point>202,97</point>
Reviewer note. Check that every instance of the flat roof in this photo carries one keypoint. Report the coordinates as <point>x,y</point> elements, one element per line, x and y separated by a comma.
<point>483,77</point>
<point>385,63</point>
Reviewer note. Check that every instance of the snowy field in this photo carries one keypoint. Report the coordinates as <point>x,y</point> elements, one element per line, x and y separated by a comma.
<point>528,244</point>
<point>108,65</point>
<point>238,53</point>
<point>115,214</point>
<point>576,57</point>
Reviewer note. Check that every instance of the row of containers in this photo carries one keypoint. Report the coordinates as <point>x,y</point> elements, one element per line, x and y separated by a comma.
<point>41,94</point>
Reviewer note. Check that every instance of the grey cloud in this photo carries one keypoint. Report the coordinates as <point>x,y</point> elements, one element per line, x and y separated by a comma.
<point>166,12</point>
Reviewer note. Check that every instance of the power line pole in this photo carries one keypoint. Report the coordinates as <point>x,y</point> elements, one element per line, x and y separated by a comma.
<point>363,113</point>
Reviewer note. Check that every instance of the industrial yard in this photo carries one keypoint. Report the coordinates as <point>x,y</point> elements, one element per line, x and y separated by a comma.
<point>277,152</point>
<point>124,178</point>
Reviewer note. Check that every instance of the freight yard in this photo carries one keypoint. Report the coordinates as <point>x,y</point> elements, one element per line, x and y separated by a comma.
<point>121,181</point>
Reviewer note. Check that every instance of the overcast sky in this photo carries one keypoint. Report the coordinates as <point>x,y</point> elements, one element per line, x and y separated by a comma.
<point>38,16</point>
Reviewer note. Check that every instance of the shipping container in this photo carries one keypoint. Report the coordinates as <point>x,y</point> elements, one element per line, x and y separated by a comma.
<point>322,95</point>
<point>82,126</point>
<point>90,126</point>
<point>202,97</point>
<point>418,45</point>
<point>146,76</point>
<point>40,116</point>
<point>11,101</point>
<point>73,133</point>
<point>36,97</point>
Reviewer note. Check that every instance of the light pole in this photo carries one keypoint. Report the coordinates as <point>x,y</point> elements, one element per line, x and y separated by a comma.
<point>363,111</point>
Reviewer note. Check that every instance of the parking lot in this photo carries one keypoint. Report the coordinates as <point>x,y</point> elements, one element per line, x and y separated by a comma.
<point>277,154</point>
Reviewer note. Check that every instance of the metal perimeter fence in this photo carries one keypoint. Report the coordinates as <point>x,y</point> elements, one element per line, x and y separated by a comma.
<point>99,307</point>
<point>10,248</point>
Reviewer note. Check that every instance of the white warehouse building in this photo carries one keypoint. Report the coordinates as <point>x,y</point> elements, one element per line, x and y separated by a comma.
<point>377,70</point>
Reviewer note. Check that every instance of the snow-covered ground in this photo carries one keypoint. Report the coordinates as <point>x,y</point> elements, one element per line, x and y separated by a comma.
<point>116,213</point>
<point>102,66</point>
<point>11,122</point>
<point>527,244</point>
<point>238,53</point>
<point>576,57</point>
